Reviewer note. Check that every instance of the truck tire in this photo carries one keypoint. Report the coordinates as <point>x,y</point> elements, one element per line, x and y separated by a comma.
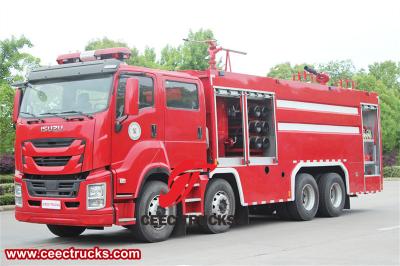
<point>332,193</point>
<point>219,201</point>
<point>147,205</point>
<point>65,230</point>
<point>305,205</point>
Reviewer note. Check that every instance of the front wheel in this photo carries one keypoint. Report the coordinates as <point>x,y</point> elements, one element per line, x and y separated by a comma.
<point>332,191</point>
<point>148,206</point>
<point>219,207</point>
<point>65,230</point>
<point>305,205</point>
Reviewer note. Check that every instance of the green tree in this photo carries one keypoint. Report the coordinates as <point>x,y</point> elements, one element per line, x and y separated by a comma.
<point>390,109</point>
<point>14,62</point>
<point>286,70</point>
<point>148,58</point>
<point>104,42</point>
<point>13,65</point>
<point>194,55</point>
<point>388,72</point>
<point>171,57</point>
<point>7,131</point>
<point>339,69</point>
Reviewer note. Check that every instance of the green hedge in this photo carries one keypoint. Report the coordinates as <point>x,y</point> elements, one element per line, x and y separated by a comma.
<point>6,179</point>
<point>7,188</point>
<point>7,199</point>
<point>391,171</point>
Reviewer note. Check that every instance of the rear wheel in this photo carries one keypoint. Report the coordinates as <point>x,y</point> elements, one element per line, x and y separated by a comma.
<point>148,205</point>
<point>305,205</point>
<point>332,193</point>
<point>66,231</point>
<point>219,207</point>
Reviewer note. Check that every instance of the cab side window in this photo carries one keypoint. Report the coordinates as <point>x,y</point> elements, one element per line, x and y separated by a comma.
<point>182,95</point>
<point>146,93</point>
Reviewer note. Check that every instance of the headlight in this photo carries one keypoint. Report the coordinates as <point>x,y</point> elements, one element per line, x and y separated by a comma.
<point>18,194</point>
<point>96,196</point>
<point>96,191</point>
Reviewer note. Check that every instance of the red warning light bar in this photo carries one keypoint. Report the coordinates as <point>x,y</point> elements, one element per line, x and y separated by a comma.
<point>120,53</point>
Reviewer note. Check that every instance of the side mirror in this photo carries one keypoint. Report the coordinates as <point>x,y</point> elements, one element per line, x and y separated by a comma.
<point>17,101</point>
<point>131,96</point>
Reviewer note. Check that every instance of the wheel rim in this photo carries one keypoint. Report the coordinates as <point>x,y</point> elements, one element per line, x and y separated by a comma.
<point>154,209</point>
<point>308,197</point>
<point>336,195</point>
<point>221,204</point>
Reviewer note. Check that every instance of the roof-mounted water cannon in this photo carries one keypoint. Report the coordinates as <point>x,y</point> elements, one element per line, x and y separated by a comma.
<point>213,49</point>
<point>119,53</point>
<point>321,78</point>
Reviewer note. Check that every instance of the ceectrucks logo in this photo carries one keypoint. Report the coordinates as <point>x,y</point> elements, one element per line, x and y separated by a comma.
<point>56,128</point>
<point>180,182</point>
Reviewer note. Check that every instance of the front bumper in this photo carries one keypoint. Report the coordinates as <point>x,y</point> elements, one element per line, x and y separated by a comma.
<point>73,210</point>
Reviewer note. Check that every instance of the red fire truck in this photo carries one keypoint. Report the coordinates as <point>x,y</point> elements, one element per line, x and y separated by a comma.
<point>96,140</point>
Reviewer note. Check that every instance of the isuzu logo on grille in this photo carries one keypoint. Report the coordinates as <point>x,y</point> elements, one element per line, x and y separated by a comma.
<point>51,128</point>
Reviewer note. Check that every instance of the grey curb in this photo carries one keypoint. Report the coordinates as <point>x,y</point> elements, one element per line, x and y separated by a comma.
<point>391,179</point>
<point>7,208</point>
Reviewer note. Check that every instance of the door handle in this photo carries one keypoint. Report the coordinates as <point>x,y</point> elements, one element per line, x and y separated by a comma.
<point>199,132</point>
<point>153,130</point>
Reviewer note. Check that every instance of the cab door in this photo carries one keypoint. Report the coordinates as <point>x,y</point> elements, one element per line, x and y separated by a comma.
<point>139,137</point>
<point>185,120</point>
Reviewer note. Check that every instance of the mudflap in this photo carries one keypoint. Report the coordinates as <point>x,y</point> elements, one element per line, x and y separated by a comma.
<point>180,228</point>
<point>347,203</point>
<point>242,215</point>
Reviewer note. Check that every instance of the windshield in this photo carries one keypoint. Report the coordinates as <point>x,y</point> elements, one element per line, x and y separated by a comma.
<point>88,95</point>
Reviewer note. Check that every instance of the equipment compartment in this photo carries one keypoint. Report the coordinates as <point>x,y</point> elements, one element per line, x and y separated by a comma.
<point>261,125</point>
<point>230,127</point>
<point>242,136</point>
<point>371,140</point>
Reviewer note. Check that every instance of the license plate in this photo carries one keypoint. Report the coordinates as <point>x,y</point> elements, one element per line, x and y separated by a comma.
<point>51,204</point>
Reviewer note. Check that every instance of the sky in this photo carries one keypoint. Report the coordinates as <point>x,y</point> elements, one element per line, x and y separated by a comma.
<point>271,32</point>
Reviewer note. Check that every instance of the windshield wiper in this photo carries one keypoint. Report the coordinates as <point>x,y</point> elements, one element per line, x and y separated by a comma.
<point>77,112</point>
<point>55,114</point>
<point>37,119</point>
<point>22,84</point>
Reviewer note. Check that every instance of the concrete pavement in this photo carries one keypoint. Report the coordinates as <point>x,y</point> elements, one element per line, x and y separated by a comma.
<point>368,234</point>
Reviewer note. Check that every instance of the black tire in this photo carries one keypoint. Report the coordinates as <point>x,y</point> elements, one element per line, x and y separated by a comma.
<point>148,232</point>
<point>219,200</point>
<point>333,195</point>
<point>65,230</point>
<point>304,208</point>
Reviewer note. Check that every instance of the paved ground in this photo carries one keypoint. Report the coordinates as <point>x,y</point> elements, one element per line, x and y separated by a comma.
<point>367,234</point>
